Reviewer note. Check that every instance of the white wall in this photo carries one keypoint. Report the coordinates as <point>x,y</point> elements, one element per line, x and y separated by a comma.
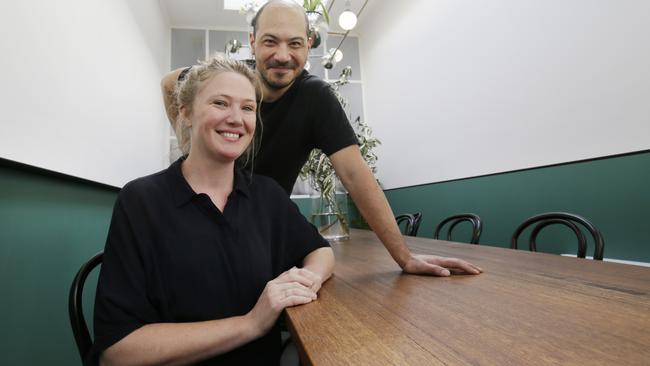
<point>80,86</point>
<point>466,88</point>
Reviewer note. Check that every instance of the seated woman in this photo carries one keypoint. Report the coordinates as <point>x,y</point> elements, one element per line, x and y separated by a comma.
<point>202,258</point>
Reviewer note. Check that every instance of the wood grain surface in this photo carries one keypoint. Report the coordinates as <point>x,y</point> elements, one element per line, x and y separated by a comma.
<point>525,309</point>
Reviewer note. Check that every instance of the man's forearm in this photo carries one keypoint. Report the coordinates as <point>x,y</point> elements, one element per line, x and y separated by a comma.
<point>167,86</point>
<point>371,201</point>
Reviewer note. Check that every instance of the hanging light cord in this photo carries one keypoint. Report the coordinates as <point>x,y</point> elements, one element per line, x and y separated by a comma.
<point>346,33</point>
<point>329,8</point>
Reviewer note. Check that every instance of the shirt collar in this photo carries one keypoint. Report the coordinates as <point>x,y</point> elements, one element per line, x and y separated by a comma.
<point>242,182</point>
<point>183,193</point>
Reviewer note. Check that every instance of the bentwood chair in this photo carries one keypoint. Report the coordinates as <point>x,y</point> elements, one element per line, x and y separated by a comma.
<point>453,221</point>
<point>417,219</point>
<point>408,220</point>
<point>75,306</point>
<point>562,218</point>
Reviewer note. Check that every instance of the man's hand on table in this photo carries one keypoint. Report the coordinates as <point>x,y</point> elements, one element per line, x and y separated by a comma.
<point>438,266</point>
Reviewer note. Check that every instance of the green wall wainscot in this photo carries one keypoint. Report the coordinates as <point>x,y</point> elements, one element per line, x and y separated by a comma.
<point>49,226</point>
<point>614,193</point>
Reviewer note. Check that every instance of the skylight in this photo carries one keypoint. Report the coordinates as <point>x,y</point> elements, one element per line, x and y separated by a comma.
<point>237,4</point>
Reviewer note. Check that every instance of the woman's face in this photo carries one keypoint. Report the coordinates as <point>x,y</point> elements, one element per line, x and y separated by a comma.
<point>223,117</point>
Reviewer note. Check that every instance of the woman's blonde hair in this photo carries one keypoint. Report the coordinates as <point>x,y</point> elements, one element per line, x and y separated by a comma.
<point>188,88</point>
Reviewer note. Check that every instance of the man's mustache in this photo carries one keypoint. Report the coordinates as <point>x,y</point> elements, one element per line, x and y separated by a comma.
<point>285,65</point>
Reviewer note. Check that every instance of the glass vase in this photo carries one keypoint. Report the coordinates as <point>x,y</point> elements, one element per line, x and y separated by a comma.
<point>330,215</point>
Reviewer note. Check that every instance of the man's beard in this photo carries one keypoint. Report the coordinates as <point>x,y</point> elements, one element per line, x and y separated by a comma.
<point>273,84</point>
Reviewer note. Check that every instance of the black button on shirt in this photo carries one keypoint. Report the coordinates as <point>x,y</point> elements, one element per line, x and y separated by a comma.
<point>172,256</point>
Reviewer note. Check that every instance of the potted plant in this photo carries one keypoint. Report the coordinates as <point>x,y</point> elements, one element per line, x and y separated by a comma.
<point>316,6</point>
<point>319,20</point>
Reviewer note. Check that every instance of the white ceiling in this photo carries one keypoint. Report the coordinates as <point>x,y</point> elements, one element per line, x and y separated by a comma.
<point>210,14</point>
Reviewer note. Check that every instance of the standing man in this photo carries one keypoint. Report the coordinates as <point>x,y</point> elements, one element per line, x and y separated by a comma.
<point>299,113</point>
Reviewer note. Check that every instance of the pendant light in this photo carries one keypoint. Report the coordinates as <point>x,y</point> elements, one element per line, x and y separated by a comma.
<point>347,19</point>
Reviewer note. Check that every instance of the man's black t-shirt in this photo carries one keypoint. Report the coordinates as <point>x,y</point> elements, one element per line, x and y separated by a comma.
<point>171,256</point>
<point>307,116</point>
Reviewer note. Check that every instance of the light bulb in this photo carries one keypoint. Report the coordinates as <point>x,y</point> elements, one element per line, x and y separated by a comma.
<point>328,61</point>
<point>338,56</point>
<point>347,20</point>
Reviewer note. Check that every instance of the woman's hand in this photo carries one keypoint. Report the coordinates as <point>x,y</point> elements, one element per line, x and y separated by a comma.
<point>296,286</point>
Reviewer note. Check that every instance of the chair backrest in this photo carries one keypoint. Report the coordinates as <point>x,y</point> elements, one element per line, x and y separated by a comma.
<point>475,220</point>
<point>562,218</point>
<point>417,219</point>
<point>410,223</point>
<point>75,306</point>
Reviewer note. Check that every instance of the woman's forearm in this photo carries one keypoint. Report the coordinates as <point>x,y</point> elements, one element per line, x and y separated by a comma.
<point>180,343</point>
<point>320,262</point>
<point>185,343</point>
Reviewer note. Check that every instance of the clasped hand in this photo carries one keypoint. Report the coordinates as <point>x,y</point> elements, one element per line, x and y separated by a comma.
<point>296,286</point>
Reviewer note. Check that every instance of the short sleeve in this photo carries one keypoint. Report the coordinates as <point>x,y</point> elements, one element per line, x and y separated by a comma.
<point>121,302</point>
<point>332,130</point>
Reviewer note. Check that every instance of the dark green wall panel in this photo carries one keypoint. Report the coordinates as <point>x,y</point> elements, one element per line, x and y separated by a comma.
<point>614,193</point>
<point>48,228</point>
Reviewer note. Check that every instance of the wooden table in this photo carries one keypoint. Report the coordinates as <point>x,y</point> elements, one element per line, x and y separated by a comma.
<point>525,309</point>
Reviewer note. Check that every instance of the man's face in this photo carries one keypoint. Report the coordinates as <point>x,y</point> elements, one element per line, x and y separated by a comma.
<point>281,46</point>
